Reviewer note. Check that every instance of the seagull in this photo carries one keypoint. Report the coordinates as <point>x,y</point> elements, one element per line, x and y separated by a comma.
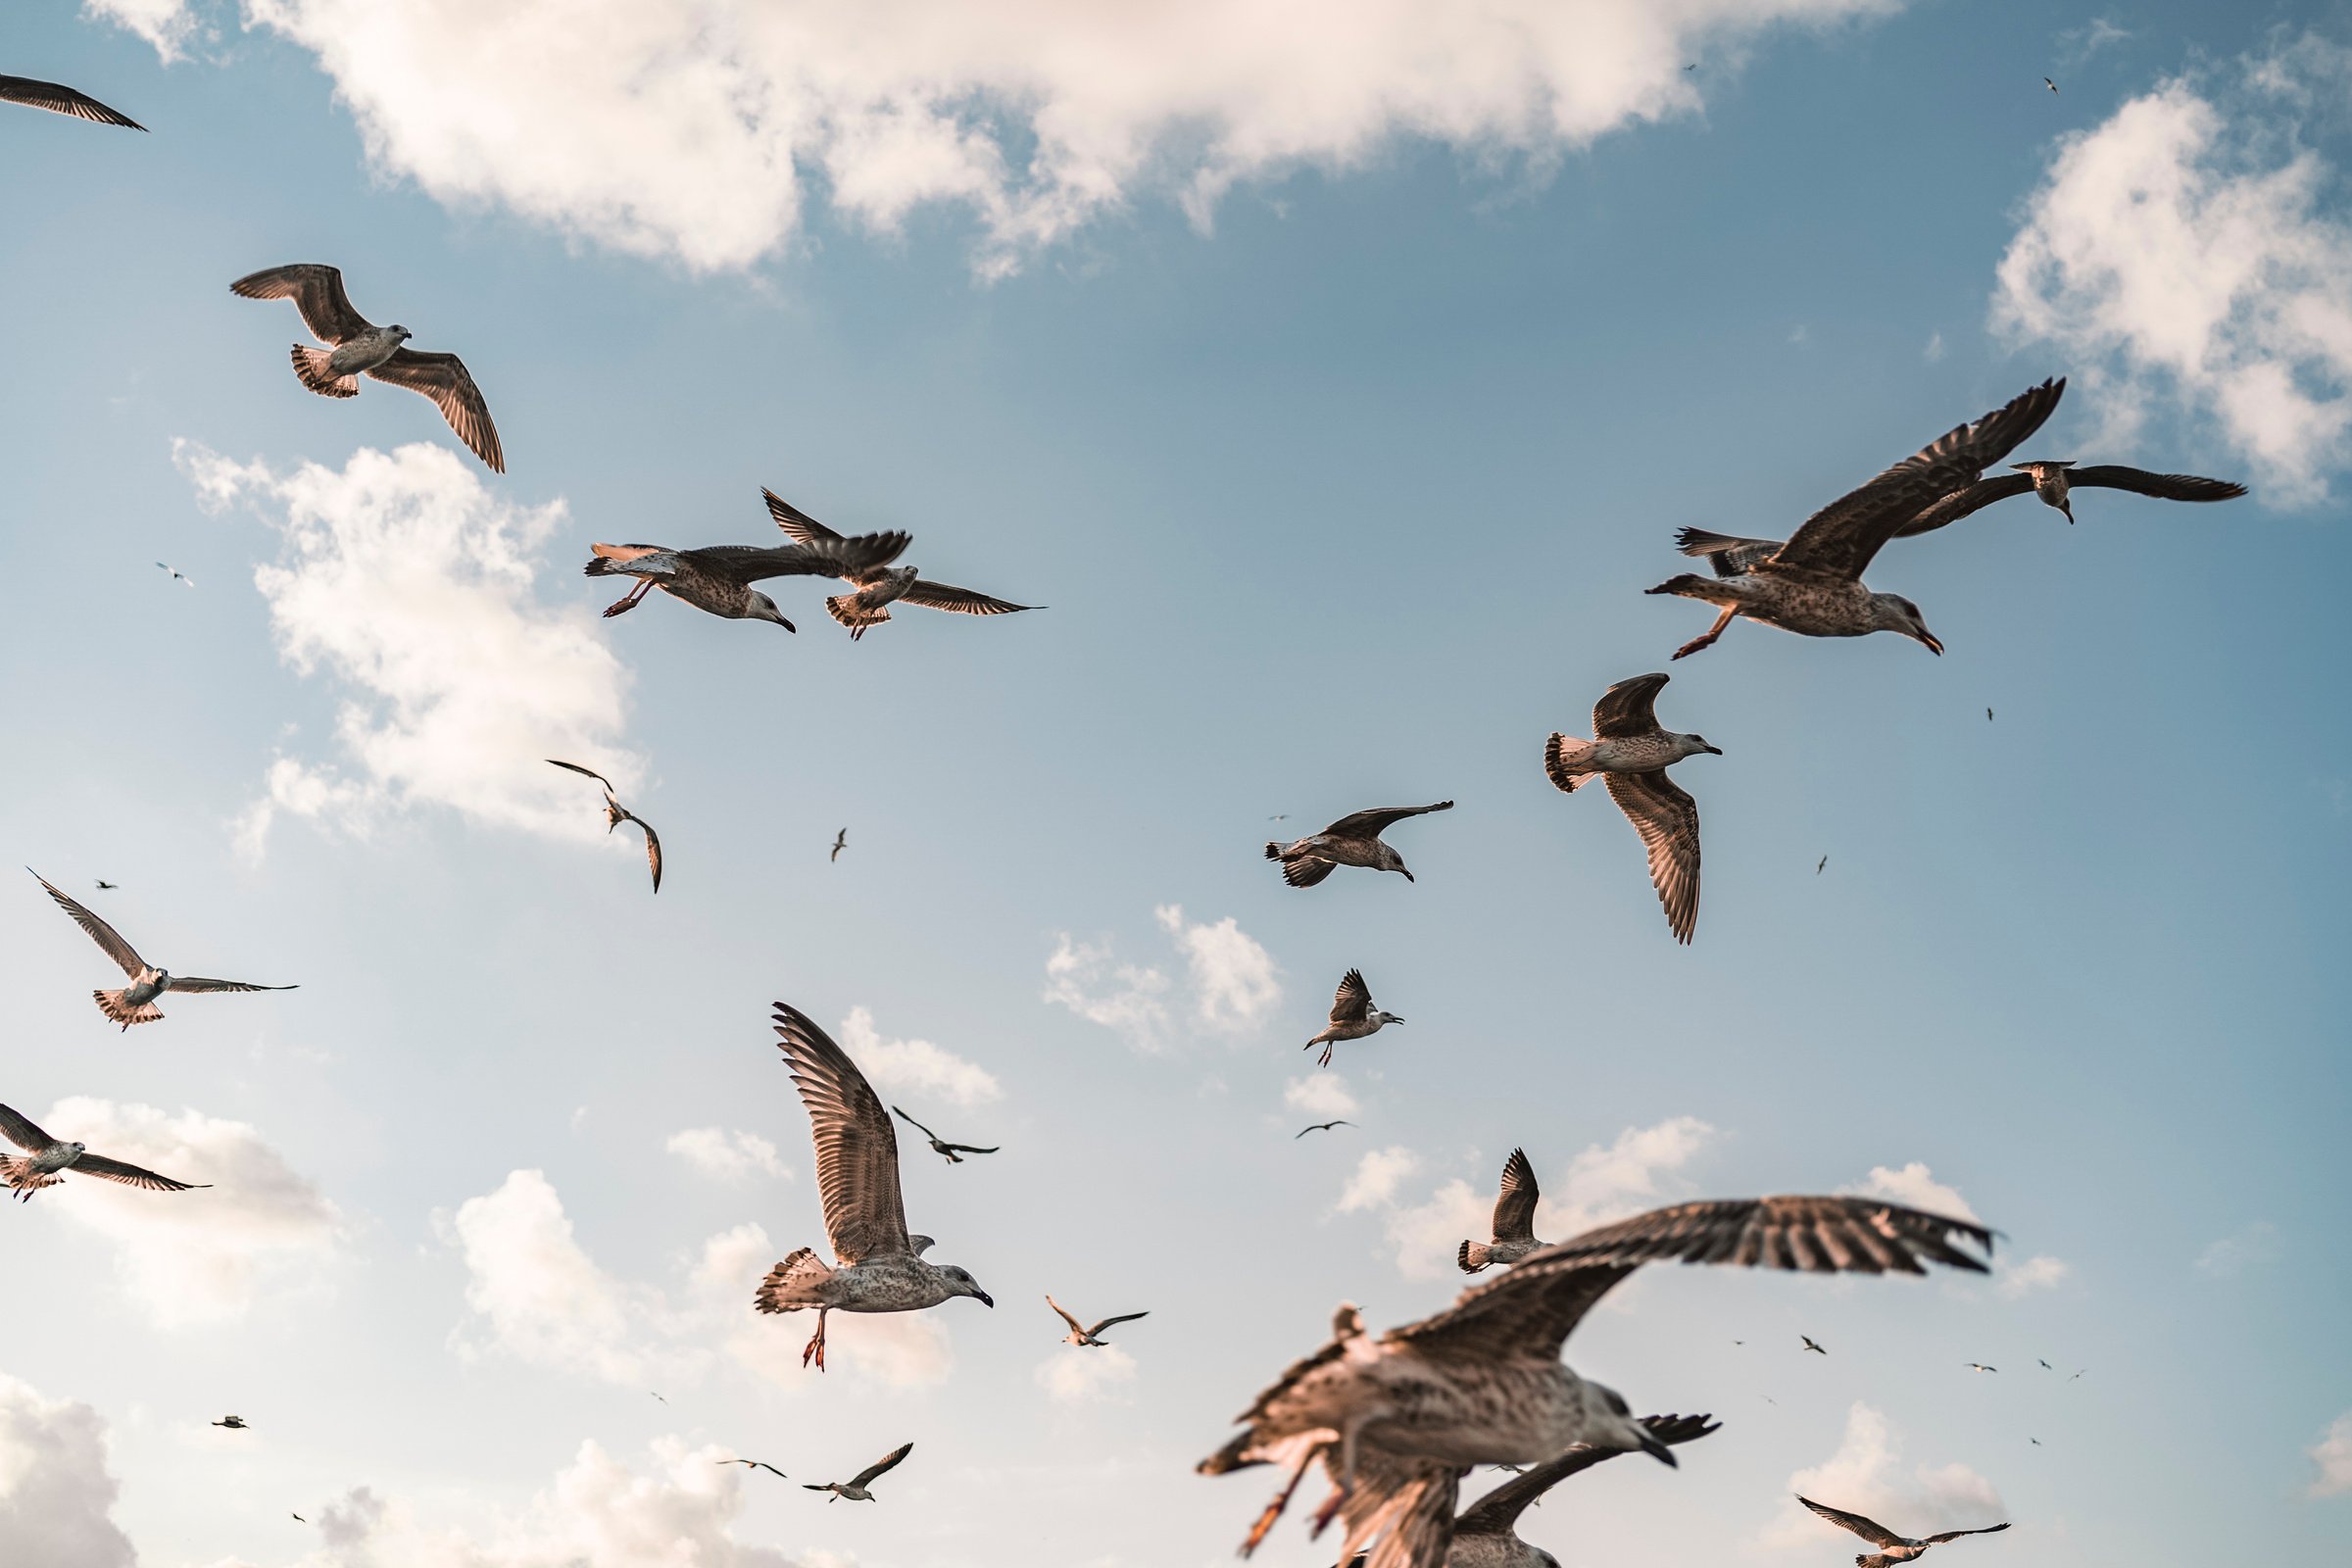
<point>1632,752</point>
<point>2048,82</point>
<point>2036,1442</point>
<point>1353,840</point>
<point>2077,1375</point>
<point>1821,865</point>
<point>178,574</point>
<point>64,100</point>
<point>1394,1417</point>
<point>1892,1549</point>
<point>1810,1346</point>
<point>617,813</point>
<point>1812,585</point>
<point>954,1152</point>
<point>104,886</point>
<point>1319,1127</point>
<point>1080,1335</point>
<point>1352,1015</point>
<point>45,1157</point>
<point>719,578</point>
<point>758,1464</point>
<point>297,1519</point>
<point>879,584</point>
<point>358,347</point>
<point>1979,1366</point>
<point>657,1395</point>
<point>880,1267</point>
<point>1514,1220</point>
<point>841,842</point>
<point>1484,1535</point>
<point>135,1003</point>
<point>1989,716</point>
<point>855,1490</point>
<point>2046,1366</point>
<point>1279,816</point>
<point>234,1423</point>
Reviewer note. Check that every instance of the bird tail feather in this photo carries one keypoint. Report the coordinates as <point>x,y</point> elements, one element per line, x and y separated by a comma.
<point>18,1174</point>
<point>1869,1560</point>
<point>1473,1256</point>
<point>844,609</point>
<point>111,1003</point>
<point>796,1277</point>
<point>310,363</point>
<point>1562,760</point>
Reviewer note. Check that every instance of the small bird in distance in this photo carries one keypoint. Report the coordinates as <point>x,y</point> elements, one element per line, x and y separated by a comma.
<point>1810,1346</point>
<point>104,886</point>
<point>1979,1366</point>
<point>758,1464</point>
<point>855,1489</point>
<point>952,1153</point>
<point>1080,1333</point>
<point>178,575</point>
<point>1821,865</point>
<point>841,842</point>
<point>2048,82</point>
<point>234,1423</point>
<point>1319,1127</point>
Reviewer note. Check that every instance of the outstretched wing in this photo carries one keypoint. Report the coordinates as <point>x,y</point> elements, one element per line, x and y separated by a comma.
<point>1399,1513</point>
<point>653,846</point>
<point>975,1149</point>
<point>316,290</point>
<point>590,771</point>
<point>1353,1002</point>
<point>1499,1510</point>
<point>1964,501</point>
<point>964,600</point>
<point>1840,538</point>
<point>107,939</point>
<point>1728,553</point>
<point>801,527</point>
<point>198,984</point>
<point>1626,709</point>
<point>1663,813</point>
<point>1869,1530</point>
<point>856,1153</point>
<point>2163,486</point>
<point>1515,1209</point>
<point>1373,823</point>
<point>444,378</point>
<point>114,1170</point>
<point>911,1122</point>
<point>23,1134</point>
<point>883,1463</point>
<point>1064,1313</point>
<point>1305,872</point>
<point>61,99</point>
<point>1955,1534</point>
<point>1112,1322</point>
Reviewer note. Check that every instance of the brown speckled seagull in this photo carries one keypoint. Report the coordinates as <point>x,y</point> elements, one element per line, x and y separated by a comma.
<point>358,347</point>
<point>1630,751</point>
<point>1892,1549</point>
<point>1813,586</point>
<point>1352,1016</point>
<point>45,1157</point>
<point>1353,840</point>
<point>135,1003</point>
<point>878,584</point>
<point>1394,1419</point>
<point>1486,1534</point>
<point>1514,1220</point>
<point>878,1267</point>
<point>718,578</point>
<point>64,100</point>
<point>617,813</point>
<point>1080,1333</point>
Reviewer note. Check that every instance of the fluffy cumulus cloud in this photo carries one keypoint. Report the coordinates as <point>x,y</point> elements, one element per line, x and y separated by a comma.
<point>2194,249</point>
<point>916,1067</point>
<point>1085,1374</point>
<point>702,132</point>
<point>1322,1095</point>
<point>2041,1272</point>
<point>2332,1460</point>
<point>169,24</point>
<point>1374,1182</point>
<point>536,1290</point>
<point>188,1258</point>
<point>1231,984</point>
<point>726,1156</point>
<point>1867,1474</point>
<point>409,584</point>
<point>57,1495</point>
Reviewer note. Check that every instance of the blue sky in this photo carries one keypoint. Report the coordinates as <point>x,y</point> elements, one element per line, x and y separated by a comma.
<point>1342,485</point>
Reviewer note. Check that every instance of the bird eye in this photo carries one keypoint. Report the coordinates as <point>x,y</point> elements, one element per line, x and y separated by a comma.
<point>1618,1405</point>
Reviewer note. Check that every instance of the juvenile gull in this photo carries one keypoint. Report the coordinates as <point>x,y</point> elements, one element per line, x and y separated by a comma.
<point>719,578</point>
<point>358,347</point>
<point>61,99</point>
<point>1630,751</point>
<point>1081,1334</point>
<point>1482,1381</point>
<point>1813,586</point>
<point>1514,1220</point>
<point>1353,840</point>
<point>1352,1015</point>
<point>135,1003</point>
<point>1892,1549</point>
<point>44,1157</point>
<point>879,1266</point>
<point>954,1152</point>
<point>1485,1537</point>
<point>879,584</point>
<point>617,813</point>
<point>855,1490</point>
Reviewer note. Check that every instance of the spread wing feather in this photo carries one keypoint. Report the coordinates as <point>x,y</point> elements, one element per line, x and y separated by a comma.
<point>107,939</point>
<point>316,290</point>
<point>857,1151</point>
<point>444,378</point>
<point>1663,813</point>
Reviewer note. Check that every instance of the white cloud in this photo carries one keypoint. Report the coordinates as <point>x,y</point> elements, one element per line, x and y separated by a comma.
<point>1085,1375</point>
<point>1915,1187</point>
<point>2331,1456</point>
<point>726,1156</point>
<point>915,1066</point>
<point>1866,1474</point>
<point>1625,1177</point>
<point>1377,1177</point>
<point>2192,249</point>
<point>1233,976</point>
<point>2038,1273</point>
<point>412,585</point>
<point>200,1256</point>
<point>1232,984</point>
<point>545,1300</point>
<point>1322,1095</point>
<point>2232,1256</point>
<point>56,1497</point>
<point>1083,977</point>
<point>2078,44</point>
<point>167,24</point>
<point>703,131</point>
<point>1935,349</point>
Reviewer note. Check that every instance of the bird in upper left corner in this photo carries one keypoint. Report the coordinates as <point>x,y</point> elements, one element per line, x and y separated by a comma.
<point>58,98</point>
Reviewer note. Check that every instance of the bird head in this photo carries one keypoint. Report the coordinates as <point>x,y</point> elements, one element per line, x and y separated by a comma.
<point>1386,1017</point>
<point>958,1283</point>
<point>1897,613</point>
<point>764,608</point>
<point>400,333</point>
<point>1609,1424</point>
<point>1692,745</point>
<point>78,1149</point>
<point>1391,861</point>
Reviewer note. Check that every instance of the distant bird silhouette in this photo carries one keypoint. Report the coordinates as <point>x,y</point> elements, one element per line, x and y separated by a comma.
<point>45,1157</point>
<point>1353,840</point>
<point>1352,1016</point>
<point>841,842</point>
<point>1279,816</point>
<point>1319,1127</point>
<point>855,1489</point>
<point>1979,1366</point>
<point>1092,1336</point>
<point>2045,1365</point>
<point>298,1519</point>
<point>235,1423</point>
<point>2077,1375</point>
<point>135,1003</point>
<point>178,574</point>
<point>617,813</point>
<point>1810,1346</point>
<point>758,1464</point>
<point>1892,1549</point>
<point>2036,1442</point>
<point>1514,1219</point>
<point>657,1395</point>
<point>952,1153</point>
<point>1989,716</point>
<point>1821,865</point>
<point>104,886</point>
<point>60,99</point>
<point>2048,82</point>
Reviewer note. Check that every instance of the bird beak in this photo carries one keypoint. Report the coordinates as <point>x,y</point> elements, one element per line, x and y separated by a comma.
<point>1659,1451</point>
<point>1408,876</point>
<point>1934,643</point>
<point>1716,750</point>
<point>986,1300</point>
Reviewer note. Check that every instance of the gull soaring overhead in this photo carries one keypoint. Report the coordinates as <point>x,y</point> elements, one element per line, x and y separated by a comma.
<point>841,842</point>
<point>1353,840</point>
<point>135,1003</point>
<point>1632,752</point>
<point>358,347</point>
<point>45,1157</point>
<point>718,578</point>
<point>61,99</point>
<point>1892,1549</point>
<point>855,1489</point>
<point>952,1153</point>
<point>1318,1127</point>
<point>1352,1015</point>
<point>1080,1333</point>
<point>1486,1534</point>
<point>178,575</point>
<point>1514,1219</point>
<point>617,813</point>
<point>878,1266</point>
<point>878,584</point>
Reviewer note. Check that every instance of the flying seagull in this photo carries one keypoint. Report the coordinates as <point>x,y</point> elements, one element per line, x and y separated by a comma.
<point>1632,752</point>
<point>358,347</point>
<point>1821,865</point>
<point>758,1464</point>
<point>297,1519</point>
<point>952,1153</point>
<point>855,1490</point>
<point>44,1157</point>
<point>1318,1127</point>
<point>1394,1419</point>
<point>718,578</point>
<point>879,1266</point>
<point>2048,82</point>
<point>235,1423</point>
<point>104,886</point>
<point>2046,1366</point>
<point>878,584</point>
<point>1810,1346</point>
<point>64,100</point>
<point>1892,1549</point>
<point>1813,586</point>
<point>657,1395</point>
<point>1081,1334</point>
<point>1485,1537</point>
<point>1989,716</point>
<point>1979,1366</point>
<point>178,575</point>
<point>617,813</point>
<point>135,1003</point>
<point>1514,1220</point>
<point>1353,840</point>
<point>841,842</point>
<point>1352,1015</point>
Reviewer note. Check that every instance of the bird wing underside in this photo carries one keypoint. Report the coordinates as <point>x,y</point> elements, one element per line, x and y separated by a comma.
<point>1516,1206</point>
<point>857,1150</point>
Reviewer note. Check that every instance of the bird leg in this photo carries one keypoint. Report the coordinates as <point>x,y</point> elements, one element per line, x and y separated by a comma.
<point>1282,1500</point>
<point>1330,1509</point>
<point>628,601</point>
<point>1324,1060</point>
<point>816,1342</point>
<point>1722,621</point>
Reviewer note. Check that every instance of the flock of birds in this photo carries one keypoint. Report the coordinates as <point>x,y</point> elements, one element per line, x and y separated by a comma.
<point>1396,1419</point>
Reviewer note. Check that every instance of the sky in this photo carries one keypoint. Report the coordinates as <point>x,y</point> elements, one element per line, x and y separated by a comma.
<point>1336,376</point>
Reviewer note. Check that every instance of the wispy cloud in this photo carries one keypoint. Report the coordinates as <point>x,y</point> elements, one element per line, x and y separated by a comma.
<point>2232,1256</point>
<point>1376,1178</point>
<point>1323,1095</point>
<point>2332,1460</point>
<point>1914,1186</point>
<point>2041,1272</point>
<point>725,1155</point>
<point>1231,984</point>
